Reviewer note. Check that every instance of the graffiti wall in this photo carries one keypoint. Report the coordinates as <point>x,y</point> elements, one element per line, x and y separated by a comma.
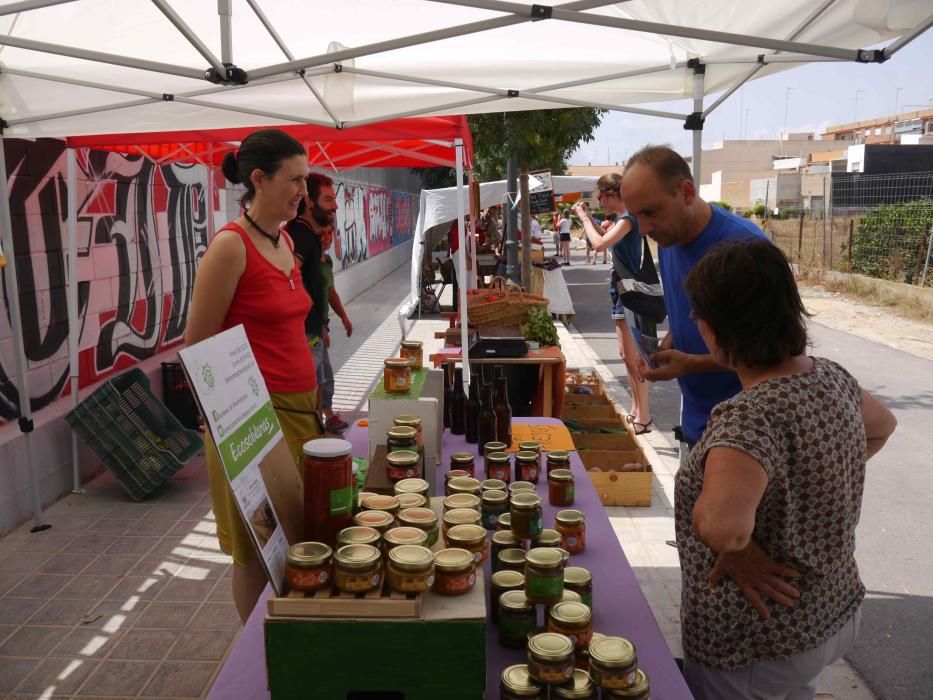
<point>371,220</point>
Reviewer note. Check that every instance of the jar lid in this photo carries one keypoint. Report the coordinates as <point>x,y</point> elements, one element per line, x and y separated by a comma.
<point>327,448</point>
<point>577,576</point>
<point>595,638</point>
<point>569,517</point>
<point>550,646</point>
<point>521,486</point>
<point>411,500</point>
<point>411,485</point>
<point>560,475</point>
<point>569,596</point>
<point>357,556</point>
<point>402,432</point>
<point>374,518</point>
<point>379,501</point>
<point>526,455</point>
<point>530,445</point>
<point>453,559</point>
<point>455,474</point>
<point>397,362</point>
<point>308,554</point>
<point>358,534</point>
<point>497,456</point>
<point>461,457</point>
<point>466,534</point>
<point>579,687</point>
<point>495,496</point>
<point>507,579</point>
<point>512,556</point>
<point>571,613</point>
<point>548,538</point>
<point>494,485</point>
<point>518,681</point>
<point>636,690</point>
<point>418,516</point>
<point>558,456</point>
<point>464,484</point>
<point>505,537</point>
<point>461,516</point>
<point>526,500</point>
<point>405,535</point>
<point>514,600</point>
<point>494,446</point>
<point>411,344</point>
<point>505,521</point>
<point>402,458</point>
<point>410,421</point>
<point>613,652</point>
<point>461,500</point>
<point>411,557</point>
<point>544,557</point>
<point>563,552</point>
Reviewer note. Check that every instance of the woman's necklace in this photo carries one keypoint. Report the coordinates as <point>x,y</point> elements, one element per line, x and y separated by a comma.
<point>274,239</point>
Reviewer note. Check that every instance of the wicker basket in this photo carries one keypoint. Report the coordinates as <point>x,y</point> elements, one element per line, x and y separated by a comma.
<point>508,307</point>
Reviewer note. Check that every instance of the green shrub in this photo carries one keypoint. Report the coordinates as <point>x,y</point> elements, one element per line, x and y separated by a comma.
<point>891,241</point>
<point>760,210</point>
<point>722,205</point>
<point>746,213</point>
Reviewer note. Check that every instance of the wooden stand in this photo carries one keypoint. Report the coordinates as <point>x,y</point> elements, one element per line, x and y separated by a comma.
<point>331,602</point>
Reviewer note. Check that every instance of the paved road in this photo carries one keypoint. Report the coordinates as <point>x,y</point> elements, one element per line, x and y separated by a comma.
<point>895,534</point>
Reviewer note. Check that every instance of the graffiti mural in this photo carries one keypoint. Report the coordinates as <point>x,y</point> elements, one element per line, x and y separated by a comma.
<point>371,220</point>
<point>141,229</point>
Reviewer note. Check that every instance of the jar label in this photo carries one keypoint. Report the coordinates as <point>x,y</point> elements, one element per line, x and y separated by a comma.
<point>341,500</point>
<point>569,493</point>
<point>535,524</point>
<point>497,472</point>
<point>375,580</point>
<point>430,580</point>
<point>322,577</point>
<point>530,475</point>
<point>587,600</point>
<point>544,586</point>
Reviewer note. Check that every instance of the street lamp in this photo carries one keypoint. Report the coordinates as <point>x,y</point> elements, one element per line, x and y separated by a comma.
<point>897,94</point>
<point>855,117</point>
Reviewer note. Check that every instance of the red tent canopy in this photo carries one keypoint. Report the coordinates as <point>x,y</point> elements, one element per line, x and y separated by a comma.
<point>415,142</point>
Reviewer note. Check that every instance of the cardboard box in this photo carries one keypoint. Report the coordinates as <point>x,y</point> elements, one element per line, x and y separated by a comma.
<point>613,486</point>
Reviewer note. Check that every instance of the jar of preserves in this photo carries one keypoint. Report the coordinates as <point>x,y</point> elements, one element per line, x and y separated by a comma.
<point>462,500</point>
<point>410,569</point>
<point>404,535</point>
<point>547,538</point>
<point>410,500</point>
<point>530,446</point>
<point>379,520</point>
<point>403,464</point>
<point>557,459</point>
<point>544,575</point>
<point>411,422</point>
<point>565,597</point>
<point>396,376</point>
<point>424,519</point>
<point>411,350</point>
<point>419,486</point>
<point>454,571</point>
<point>382,502</point>
<point>464,484</point>
<point>493,485</point>
<point>527,519</point>
<point>517,616</point>
<point>580,687</point>
<point>499,466</point>
<point>463,461</point>
<point>517,486</point>
<point>579,580</point>
<point>517,684</point>
<point>638,690</point>
<point>550,658</point>
<point>401,437</point>
<point>359,534</point>
<point>308,566</point>
<point>505,522</point>
<point>571,524</point>
<point>613,663</point>
<point>357,568</point>
<point>495,503</point>
<point>527,466</point>
<point>459,516</point>
<point>493,446</point>
<point>499,583</point>
<point>560,487</point>
<point>574,620</point>
<point>511,559</point>
<point>469,537</point>
<point>454,474</point>
<point>328,488</point>
<point>502,539</point>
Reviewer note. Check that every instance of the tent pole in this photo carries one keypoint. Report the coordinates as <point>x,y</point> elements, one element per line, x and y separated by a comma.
<point>72,302</point>
<point>511,220</point>
<point>191,36</point>
<point>421,112</point>
<point>461,271</point>
<point>26,5</point>
<point>908,37</point>
<point>474,222</point>
<point>19,350</point>
<point>225,10</point>
<point>695,121</point>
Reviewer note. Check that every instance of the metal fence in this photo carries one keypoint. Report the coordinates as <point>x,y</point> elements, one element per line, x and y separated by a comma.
<point>875,225</point>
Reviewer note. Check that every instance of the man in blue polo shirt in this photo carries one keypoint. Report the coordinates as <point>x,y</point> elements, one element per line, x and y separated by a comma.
<point>660,192</point>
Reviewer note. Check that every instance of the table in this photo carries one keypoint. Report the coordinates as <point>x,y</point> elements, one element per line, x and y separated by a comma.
<point>620,605</point>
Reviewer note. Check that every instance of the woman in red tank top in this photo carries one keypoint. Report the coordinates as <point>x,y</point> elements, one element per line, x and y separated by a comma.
<point>249,276</point>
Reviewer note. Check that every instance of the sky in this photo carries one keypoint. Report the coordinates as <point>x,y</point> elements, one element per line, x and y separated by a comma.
<point>821,94</point>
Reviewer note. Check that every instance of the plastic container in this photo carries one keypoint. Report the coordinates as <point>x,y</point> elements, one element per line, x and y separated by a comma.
<point>328,488</point>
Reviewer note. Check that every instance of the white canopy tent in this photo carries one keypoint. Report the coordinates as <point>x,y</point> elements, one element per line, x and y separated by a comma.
<point>82,67</point>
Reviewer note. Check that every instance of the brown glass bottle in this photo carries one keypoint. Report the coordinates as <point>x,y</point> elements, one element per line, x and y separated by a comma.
<point>448,381</point>
<point>487,417</point>
<point>458,401</point>
<point>471,413</point>
<point>503,412</point>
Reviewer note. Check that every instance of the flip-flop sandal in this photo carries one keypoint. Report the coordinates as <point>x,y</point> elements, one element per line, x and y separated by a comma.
<point>641,428</point>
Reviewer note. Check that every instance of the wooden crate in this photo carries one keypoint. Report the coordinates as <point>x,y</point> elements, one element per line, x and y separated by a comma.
<point>587,378</point>
<point>572,399</point>
<point>594,425</point>
<point>331,602</point>
<point>583,414</point>
<point>613,486</point>
<point>604,441</point>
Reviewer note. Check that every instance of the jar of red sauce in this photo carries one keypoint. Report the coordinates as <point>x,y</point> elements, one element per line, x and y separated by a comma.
<point>571,524</point>
<point>308,566</point>
<point>328,488</point>
<point>454,571</point>
<point>560,487</point>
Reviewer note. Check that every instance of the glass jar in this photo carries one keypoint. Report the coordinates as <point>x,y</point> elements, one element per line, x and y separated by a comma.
<point>410,568</point>
<point>495,503</point>
<point>357,568</point>
<point>494,485</point>
<point>527,466</point>
<point>308,566</point>
<point>462,500</point>
<point>527,519</point>
<point>560,487</point>
<point>463,461</point>
<point>493,446</point>
<point>547,538</point>
<point>613,663</point>
<point>404,535</point>
<point>579,580</point>
<point>379,520</point>
<point>517,486</point>
<point>574,620</point>
<point>544,575</point>
<point>454,571</point>
<point>359,534</point>
<point>412,351</point>
<point>517,616</point>
<point>410,500</point>
<point>403,464</point>
<point>382,502</point>
<point>517,684</point>
<point>328,488</point>
<point>505,522</point>
<point>580,687</point>
<point>459,516</point>
<point>419,486</point>
<point>499,583</point>
<point>411,422</point>
<point>511,559</point>
<point>571,524</point>
<point>639,690</point>
<point>530,446</point>
<point>502,539</point>
<point>454,474</point>
<point>424,519</point>
<point>396,376</point>
<point>469,537</point>
<point>464,484</point>
<point>401,437</point>
<point>558,459</point>
<point>550,658</point>
<point>565,597</point>
<point>499,466</point>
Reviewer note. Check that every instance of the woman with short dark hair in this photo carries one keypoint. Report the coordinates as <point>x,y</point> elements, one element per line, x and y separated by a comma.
<point>767,503</point>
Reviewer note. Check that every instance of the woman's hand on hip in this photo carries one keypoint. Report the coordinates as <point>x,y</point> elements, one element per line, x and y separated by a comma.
<point>757,575</point>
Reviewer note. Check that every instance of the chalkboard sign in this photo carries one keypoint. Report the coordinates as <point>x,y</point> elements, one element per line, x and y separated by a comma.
<point>541,202</point>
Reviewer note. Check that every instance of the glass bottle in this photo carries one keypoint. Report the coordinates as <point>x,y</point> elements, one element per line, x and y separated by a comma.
<point>503,412</point>
<point>448,371</point>
<point>457,405</point>
<point>471,414</point>
<point>487,418</point>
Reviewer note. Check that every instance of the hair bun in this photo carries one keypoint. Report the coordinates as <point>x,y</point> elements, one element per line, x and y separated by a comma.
<point>231,168</point>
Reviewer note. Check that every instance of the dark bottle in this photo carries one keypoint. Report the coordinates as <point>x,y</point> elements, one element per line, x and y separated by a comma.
<point>487,417</point>
<point>503,412</point>
<point>471,414</point>
<point>448,372</point>
<point>458,401</point>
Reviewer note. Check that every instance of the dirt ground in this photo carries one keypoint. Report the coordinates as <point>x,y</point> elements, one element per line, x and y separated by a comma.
<point>876,323</point>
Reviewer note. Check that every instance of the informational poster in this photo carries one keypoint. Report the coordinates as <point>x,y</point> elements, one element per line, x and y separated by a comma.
<point>541,196</point>
<point>227,383</point>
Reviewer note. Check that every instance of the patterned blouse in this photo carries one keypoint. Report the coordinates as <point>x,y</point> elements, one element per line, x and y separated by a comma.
<point>807,432</point>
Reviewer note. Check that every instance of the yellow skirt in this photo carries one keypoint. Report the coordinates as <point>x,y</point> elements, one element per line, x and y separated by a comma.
<point>296,414</point>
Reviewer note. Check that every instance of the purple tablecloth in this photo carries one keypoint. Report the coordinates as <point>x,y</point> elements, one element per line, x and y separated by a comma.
<point>620,607</point>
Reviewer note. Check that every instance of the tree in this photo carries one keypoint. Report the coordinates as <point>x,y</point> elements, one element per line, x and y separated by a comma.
<point>435,178</point>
